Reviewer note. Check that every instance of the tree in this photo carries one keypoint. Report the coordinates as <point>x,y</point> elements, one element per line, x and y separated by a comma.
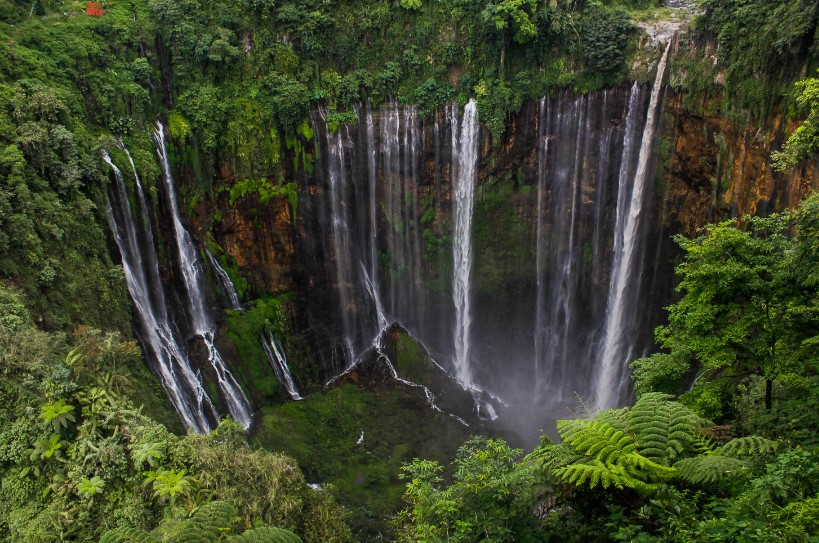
<point>515,15</point>
<point>605,37</point>
<point>745,311</point>
<point>511,17</point>
<point>643,448</point>
<point>488,501</point>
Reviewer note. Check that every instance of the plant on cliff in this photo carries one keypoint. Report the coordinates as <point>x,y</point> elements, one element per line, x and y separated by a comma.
<point>803,144</point>
<point>763,45</point>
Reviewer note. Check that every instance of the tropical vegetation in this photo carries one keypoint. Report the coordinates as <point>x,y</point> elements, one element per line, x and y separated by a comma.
<point>721,444</point>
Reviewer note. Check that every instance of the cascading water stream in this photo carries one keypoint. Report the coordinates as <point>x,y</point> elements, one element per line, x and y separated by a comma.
<point>149,253</point>
<point>399,242</point>
<point>379,307</point>
<point>237,403</point>
<point>225,284</point>
<point>540,309</point>
<point>162,348</point>
<point>615,352</point>
<point>372,178</point>
<point>275,355</point>
<point>337,178</point>
<point>464,195</point>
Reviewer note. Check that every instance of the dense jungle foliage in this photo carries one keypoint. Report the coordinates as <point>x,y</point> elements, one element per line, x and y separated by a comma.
<point>722,443</point>
<point>88,442</point>
<point>236,81</point>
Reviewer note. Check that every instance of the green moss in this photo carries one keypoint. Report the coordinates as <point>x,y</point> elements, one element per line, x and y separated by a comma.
<point>301,158</point>
<point>501,236</point>
<point>411,361</point>
<point>305,131</point>
<point>322,433</point>
<point>244,330</point>
<point>179,127</point>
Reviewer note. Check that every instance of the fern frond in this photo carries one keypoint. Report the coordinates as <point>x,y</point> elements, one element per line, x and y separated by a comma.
<point>647,468</point>
<point>265,535</point>
<point>745,446</point>
<point>643,481</point>
<point>216,514</point>
<point>709,468</point>
<point>593,474</point>
<point>128,535</point>
<point>553,456</point>
<point>665,429</point>
<point>596,473</point>
<point>207,524</point>
<point>616,417</point>
<point>704,444</point>
<point>598,439</point>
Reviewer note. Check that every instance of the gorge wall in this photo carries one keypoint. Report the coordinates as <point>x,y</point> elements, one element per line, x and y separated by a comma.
<point>533,268</point>
<point>373,231</point>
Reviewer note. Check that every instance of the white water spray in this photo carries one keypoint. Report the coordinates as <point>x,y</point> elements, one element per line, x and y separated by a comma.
<point>464,194</point>
<point>163,349</point>
<point>275,355</point>
<point>614,354</point>
<point>237,403</point>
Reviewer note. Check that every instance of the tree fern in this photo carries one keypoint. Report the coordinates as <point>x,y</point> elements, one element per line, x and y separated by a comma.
<point>128,535</point>
<point>609,457</point>
<point>746,446</point>
<point>265,535</point>
<point>665,430</point>
<point>616,417</point>
<point>600,440</point>
<point>709,468</point>
<point>553,455</point>
<point>207,524</point>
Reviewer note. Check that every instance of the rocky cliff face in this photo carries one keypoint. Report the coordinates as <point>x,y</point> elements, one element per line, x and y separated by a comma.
<point>710,169</point>
<point>260,238</point>
<point>718,169</point>
<point>372,243</point>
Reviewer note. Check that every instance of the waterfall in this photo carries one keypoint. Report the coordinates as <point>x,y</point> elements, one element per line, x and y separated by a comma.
<point>464,193</point>
<point>394,146</point>
<point>372,178</point>
<point>162,349</point>
<point>225,284</point>
<point>203,325</point>
<point>540,306</point>
<point>149,253</point>
<point>340,232</point>
<point>616,352</point>
<point>379,307</point>
<point>405,240</point>
<point>275,355</point>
